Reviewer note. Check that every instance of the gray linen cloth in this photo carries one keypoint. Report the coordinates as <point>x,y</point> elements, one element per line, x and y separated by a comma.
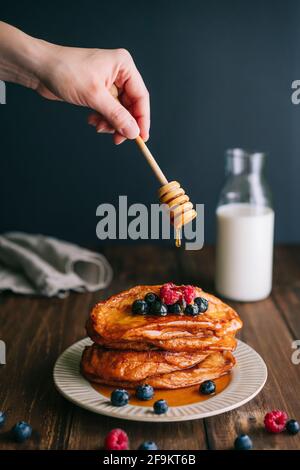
<point>36,264</point>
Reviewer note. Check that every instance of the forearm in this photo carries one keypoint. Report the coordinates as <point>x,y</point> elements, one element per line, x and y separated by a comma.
<point>21,56</point>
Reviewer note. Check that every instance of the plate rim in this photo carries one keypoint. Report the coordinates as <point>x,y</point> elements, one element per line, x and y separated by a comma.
<point>148,415</point>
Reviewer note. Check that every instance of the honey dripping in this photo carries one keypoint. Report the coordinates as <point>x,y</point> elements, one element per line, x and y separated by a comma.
<point>178,238</point>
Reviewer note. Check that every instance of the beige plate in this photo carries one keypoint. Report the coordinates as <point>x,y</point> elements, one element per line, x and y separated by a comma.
<point>248,378</point>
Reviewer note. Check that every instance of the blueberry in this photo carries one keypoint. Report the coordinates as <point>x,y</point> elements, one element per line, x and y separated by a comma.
<point>292,426</point>
<point>21,431</point>
<point>243,442</point>
<point>160,407</point>
<point>202,304</point>
<point>192,309</point>
<point>208,387</point>
<point>150,298</point>
<point>159,308</point>
<point>140,307</point>
<point>144,392</point>
<point>148,445</point>
<point>2,418</point>
<point>175,308</point>
<point>119,397</point>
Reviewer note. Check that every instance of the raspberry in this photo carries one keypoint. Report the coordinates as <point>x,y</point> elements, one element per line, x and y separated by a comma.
<point>170,297</point>
<point>189,294</point>
<point>116,439</point>
<point>170,294</point>
<point>275,421</point>
<point>166,288</point>
<point>168,285</point>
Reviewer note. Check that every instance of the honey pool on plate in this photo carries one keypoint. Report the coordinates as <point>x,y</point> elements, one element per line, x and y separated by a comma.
<point>178,397</point>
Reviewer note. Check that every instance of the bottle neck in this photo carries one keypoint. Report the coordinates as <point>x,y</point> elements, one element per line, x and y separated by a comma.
<point>239,162</point>
<point>245,182</point>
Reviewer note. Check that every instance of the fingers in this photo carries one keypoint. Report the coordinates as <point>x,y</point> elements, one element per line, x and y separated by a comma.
<point>137,95</point>
<point>116,115</point>
<point>102,126</point>
<point>130,117</point>
<point>93,119</point>
<point>141,112</point>
<point>118,139</point>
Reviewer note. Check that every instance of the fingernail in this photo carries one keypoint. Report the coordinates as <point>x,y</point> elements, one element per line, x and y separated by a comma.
<point>104,130</point>
<point>130,130</point>
<point>92,121</point>
<point>121,141</point>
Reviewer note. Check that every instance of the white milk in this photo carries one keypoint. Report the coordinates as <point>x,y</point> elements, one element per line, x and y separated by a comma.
<point>244,251</point>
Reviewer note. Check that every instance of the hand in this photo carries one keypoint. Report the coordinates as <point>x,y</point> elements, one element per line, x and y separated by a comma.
<point>80,76</point>
<point>85,77</point>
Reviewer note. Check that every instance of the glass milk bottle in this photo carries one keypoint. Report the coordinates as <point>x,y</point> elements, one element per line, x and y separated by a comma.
<point>245,229</point>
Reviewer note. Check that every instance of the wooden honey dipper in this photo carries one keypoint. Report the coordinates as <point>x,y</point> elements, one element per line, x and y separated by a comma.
<point>170,193</point>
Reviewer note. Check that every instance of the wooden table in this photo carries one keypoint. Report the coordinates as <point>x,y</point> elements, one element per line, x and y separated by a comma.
<point>37,330</point>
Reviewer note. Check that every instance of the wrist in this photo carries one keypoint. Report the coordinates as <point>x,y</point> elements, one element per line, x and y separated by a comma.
<point>22,57</point>
<point>40,57</point>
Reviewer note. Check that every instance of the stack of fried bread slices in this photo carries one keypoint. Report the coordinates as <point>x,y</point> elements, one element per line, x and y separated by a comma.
<point>166,352</point>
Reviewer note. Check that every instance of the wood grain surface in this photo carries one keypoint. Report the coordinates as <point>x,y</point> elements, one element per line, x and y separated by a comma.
<point>37,330</point>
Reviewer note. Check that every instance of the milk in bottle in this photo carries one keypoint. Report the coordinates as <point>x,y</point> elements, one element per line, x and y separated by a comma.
<point>245,230</point>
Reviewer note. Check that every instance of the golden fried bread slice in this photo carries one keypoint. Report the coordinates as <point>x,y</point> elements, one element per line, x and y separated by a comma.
<point>134,366</point>
<point>213,366</point>
<point>113,321</point>
<point>191,344</point>
<point>204,344</point>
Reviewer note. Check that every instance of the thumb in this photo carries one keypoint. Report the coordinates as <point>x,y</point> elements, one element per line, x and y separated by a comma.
<point>118,116</point>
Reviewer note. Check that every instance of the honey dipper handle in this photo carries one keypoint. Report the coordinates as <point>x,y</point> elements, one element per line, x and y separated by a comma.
<point>151,160</point>
<point>143,148</point>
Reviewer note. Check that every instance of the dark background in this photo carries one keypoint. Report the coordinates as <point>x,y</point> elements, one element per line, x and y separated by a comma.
<point>219,74</point>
